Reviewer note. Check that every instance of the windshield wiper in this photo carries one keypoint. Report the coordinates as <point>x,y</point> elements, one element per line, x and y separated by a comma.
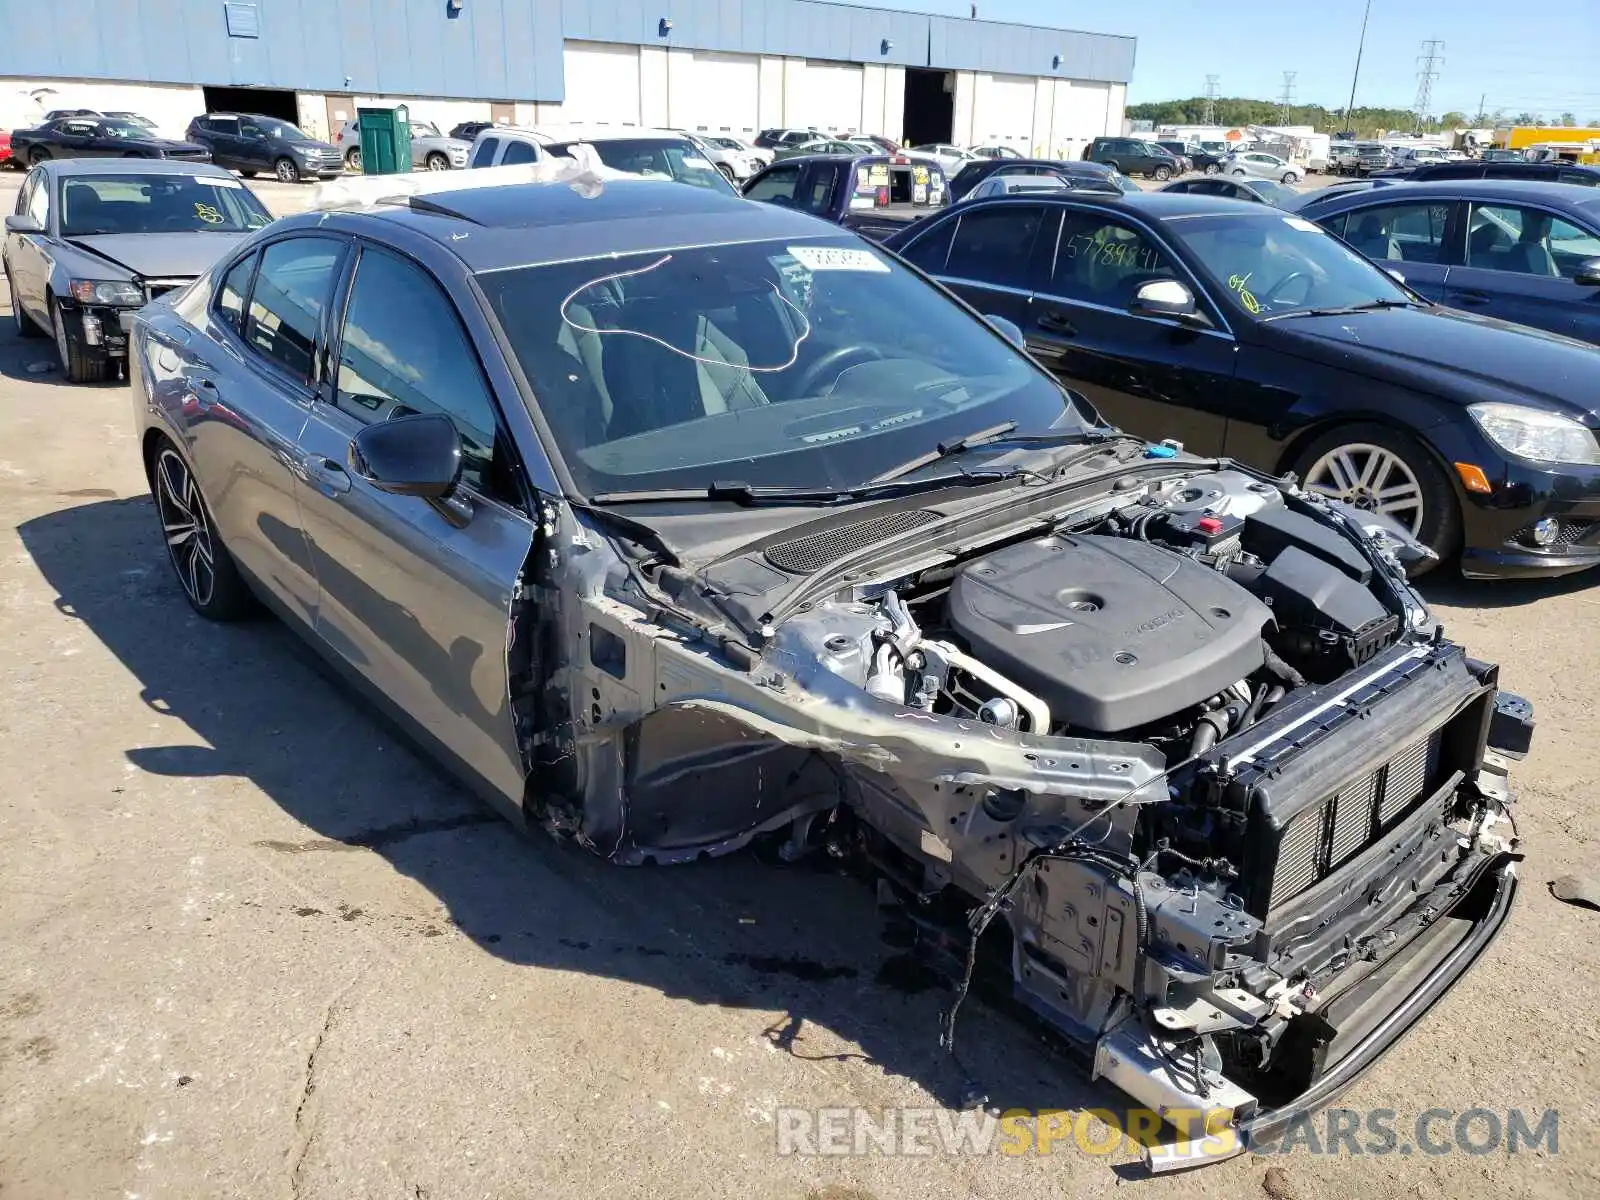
<point>988,437</point>
<point>1343,310</point>
<point>739,492</point>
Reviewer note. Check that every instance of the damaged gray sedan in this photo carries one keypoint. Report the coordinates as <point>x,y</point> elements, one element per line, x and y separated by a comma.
<point>674,521</point>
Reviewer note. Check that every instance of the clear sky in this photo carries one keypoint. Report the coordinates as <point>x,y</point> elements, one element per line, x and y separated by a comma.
<point>1543,58</point>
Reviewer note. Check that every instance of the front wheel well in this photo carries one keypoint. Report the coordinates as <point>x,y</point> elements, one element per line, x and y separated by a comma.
<point>1302,438</point>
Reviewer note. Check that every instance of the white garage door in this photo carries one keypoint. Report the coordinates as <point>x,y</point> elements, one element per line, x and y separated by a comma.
<point>1079,116</point>
<point>1003,111</point>
<point>602,84</point>
<point>828,96</point>
<point>713,93</point>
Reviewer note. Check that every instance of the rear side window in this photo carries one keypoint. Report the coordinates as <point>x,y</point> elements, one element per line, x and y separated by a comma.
<point>404,351</point>
<point>775,186</point>
<point>931,251</point>
<point>518,152</point>
<point>288,300</point>
<point>483,153</point>
<point>995,245</point>
<point>235,288</point>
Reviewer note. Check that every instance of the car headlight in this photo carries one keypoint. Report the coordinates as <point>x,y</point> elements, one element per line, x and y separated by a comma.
<point>91,291</point>
<point>1536,435</point>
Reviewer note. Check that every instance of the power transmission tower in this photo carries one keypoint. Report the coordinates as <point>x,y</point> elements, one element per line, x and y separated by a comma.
<point>1212,91</point>
<point>1431,58</point>
<point>1286,101</point>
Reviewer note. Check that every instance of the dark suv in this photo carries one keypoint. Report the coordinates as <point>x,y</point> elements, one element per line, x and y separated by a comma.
<point>1134,156</point>
<point>1529,172</point>
<point>250,143</point>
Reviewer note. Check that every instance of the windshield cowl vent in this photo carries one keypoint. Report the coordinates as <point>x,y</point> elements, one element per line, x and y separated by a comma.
<point>802,556</point>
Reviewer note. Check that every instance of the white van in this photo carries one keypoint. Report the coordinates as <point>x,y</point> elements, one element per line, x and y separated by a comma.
<point>660,153</point>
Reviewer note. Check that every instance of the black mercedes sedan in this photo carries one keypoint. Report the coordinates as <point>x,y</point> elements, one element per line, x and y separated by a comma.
<point>92,241</point>
<point>98,137</point>
<point>674,521</point>
<point>1241,330</point>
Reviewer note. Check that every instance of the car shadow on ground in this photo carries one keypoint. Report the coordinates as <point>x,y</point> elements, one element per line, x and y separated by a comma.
<point>1447,587</point>
<point>804,942</point>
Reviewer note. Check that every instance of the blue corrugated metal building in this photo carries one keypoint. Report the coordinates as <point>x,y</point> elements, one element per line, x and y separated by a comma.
<point>650,61</point>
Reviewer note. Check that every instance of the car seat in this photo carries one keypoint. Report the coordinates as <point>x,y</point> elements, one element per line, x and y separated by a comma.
<point>82,209</point>
<point>1372,239</point>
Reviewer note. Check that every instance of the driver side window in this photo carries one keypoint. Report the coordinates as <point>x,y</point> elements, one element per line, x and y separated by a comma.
<point>1102,261</point>
<point>776,186</point>
<point>39,200</point>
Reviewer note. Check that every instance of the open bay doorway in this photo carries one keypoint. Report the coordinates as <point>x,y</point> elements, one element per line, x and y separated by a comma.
<point>267,102</point>
<point>930,108</point>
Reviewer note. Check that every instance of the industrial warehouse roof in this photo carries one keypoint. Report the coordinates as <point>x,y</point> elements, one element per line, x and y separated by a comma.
<point>508,49</point>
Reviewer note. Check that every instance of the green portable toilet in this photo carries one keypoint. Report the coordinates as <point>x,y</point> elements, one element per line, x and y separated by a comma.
<point>385,139</point>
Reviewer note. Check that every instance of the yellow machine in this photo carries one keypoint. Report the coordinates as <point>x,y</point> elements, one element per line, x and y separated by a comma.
<point>1575,145</point>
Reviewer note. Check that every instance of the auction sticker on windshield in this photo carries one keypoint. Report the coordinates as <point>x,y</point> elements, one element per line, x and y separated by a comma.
<point>1301,224</point>
<point>833,258</point>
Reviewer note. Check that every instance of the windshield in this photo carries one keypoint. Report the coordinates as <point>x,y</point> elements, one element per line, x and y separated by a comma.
<point>158,204</point>
<point>281,130</point>
<point>814,363</point>
<point>1268,265</point>
<point>669,158</point>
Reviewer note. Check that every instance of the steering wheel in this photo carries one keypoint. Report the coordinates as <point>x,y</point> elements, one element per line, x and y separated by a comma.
<point>1272,292</point>
<point>834,361</point>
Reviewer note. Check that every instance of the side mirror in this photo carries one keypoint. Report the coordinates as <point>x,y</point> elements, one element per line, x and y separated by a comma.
<point>418,455</point>
<point>1007,329</point>
<point>1165,298</point>
<point>1588,273</point>
<point>1394,275</point>
<point>23,223</point>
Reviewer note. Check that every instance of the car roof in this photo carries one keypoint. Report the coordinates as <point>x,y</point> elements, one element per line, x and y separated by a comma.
<point>1154,206</point>
<point>1556,194</point>
<point>64,167</point>
<point>529,224</point>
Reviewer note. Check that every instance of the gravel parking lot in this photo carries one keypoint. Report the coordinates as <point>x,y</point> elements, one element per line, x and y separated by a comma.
<point>251,944</point>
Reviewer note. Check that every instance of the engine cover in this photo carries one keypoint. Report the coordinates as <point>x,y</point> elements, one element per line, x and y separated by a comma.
<point>1112,633</point>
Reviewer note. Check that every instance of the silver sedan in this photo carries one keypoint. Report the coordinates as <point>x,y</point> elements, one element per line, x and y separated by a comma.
<point>1261,165</point>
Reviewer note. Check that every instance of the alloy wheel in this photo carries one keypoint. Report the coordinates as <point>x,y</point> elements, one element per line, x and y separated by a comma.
<point>353,161</point>
<point>287,172</point>
<point>186,528</point>
<point>1372,479</point>
<point>437,162</point>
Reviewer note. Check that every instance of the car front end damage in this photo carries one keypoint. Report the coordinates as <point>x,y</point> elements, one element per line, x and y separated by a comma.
<point>1170,749</point>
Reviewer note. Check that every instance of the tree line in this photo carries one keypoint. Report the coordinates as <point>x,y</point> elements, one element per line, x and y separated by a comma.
<point>1362,121</point>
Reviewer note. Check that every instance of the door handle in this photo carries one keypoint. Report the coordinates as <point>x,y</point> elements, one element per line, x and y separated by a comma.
<point>325,472</point>
<point>1055,321</point>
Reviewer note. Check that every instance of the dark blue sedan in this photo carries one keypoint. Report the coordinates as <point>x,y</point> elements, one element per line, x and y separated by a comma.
<point>1524,252</point>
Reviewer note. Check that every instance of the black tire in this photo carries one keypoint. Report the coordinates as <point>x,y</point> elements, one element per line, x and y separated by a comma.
<point>133,154</point>
<point>26,326</point>
<point>38,155</point>
<point>205,570</point>
<point>77,364</point>
<point>286,170</point>
<point>1290,177</point>
<point>1162,174</point>
<point>727,173</point>
<point>352,161</point>
<point>1213,169</point>
<point>248,174</point>
<point>1440,519</point>
<point>437,162</point>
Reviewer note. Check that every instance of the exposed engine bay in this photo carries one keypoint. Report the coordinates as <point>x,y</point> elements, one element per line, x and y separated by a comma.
<point>1190,761</point>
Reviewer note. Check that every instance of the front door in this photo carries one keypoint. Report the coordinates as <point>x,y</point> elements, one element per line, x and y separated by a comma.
<point>77,138</point>
<point>253,147</point>
<point>415,597</point>
<point>1151,376</point>
<point>986,256</point>
<point>1520,266</point>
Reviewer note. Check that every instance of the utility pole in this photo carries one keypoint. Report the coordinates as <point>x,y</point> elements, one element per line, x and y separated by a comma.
<point>1286,101</point>
<point>1211,99</point>
<point>1431,59</point>
<point>1478,120</point>
<point>1360,46</point>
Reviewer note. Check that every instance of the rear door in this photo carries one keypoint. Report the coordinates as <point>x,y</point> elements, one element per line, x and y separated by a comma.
<point>224,138</point>
<point>1151,376</point>
<point>415,595</point>
<point>1520,265</point>
<point>247,379</point>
